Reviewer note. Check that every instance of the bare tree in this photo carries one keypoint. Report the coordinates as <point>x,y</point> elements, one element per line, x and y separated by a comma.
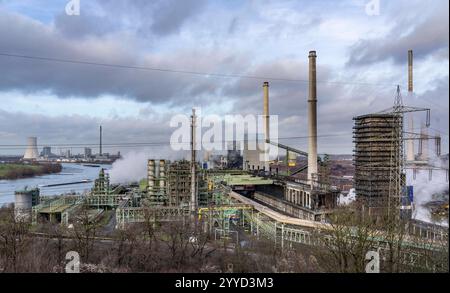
<point>14,240</point>
<point>84,232</point>
<point>343,247</point>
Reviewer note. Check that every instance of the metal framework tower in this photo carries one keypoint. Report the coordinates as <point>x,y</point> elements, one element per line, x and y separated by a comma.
<point>397,179</point>
<point>397,185</point>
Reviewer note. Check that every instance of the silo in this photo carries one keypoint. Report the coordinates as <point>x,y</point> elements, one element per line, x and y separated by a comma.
<point>24,202</point>
<point>31,152</point>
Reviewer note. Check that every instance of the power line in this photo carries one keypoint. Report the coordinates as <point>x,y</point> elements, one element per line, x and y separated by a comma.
<point>168,70</point>
<point>141,144</point>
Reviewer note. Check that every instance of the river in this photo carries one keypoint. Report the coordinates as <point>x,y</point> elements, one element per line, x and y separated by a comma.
<point>69,173</point>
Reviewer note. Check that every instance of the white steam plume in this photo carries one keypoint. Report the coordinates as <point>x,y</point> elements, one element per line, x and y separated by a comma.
<point>424,188</point>
<point>133,165</point>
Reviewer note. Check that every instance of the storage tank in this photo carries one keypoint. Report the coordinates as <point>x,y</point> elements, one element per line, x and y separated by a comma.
<point>24,202</point>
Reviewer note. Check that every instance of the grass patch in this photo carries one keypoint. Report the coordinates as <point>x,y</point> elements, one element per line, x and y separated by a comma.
<point>16,170</point>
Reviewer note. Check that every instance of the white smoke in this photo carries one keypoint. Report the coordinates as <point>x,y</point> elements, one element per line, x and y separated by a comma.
<point>424,188</point>
<point>345,199</point>
<point>132,166</point>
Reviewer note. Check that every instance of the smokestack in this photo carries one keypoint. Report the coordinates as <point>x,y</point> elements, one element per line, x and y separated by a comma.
<point>410,71</point>
<point>100,140</point>
<point>266,111</point>
<point>410,142</point>
<point>193,162</point>
<point>312,117</point>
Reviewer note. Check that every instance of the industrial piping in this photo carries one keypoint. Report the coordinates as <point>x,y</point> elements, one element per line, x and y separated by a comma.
<point>312,118</point>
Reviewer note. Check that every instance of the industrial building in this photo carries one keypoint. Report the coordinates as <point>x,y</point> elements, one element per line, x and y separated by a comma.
<point>253,157</point>
<point>310,198</point>
<point>47,152</point>
<point>379,159</point>
<point>292,206</point>
<point>378,155</point>
<point>87,153</point>
<point>170,183</point>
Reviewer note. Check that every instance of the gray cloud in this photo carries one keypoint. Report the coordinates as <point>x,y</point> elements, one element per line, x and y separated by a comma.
<point>161,33</point>
<point>86,24</point>
<point>20,35</point>
<point>169,16</point>
<point>160,17</point>
<point>425,34</point>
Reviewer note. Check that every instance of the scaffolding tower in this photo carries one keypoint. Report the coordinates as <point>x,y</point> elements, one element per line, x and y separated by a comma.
<point>380,180</point>
<point>377,159</point>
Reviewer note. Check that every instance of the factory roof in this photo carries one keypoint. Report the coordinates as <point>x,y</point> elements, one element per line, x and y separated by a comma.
<point>246,180</point>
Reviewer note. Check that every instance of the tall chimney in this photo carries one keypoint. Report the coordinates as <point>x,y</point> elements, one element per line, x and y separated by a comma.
<point>193,162</point>
<point>266,111</point>
<point>100,140</point>
<point>312,117</point>
<point>410,71</point>
<point>410,142</point>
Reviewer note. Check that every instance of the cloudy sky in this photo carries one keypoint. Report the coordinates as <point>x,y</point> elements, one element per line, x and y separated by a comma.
<point>361,59</point>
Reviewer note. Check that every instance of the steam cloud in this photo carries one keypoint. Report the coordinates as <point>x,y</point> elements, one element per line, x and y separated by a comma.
<point>132,166</point>
<point>425,188</point>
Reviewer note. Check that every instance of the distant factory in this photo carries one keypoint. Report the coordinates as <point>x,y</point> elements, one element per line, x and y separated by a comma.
<point>67,155</point>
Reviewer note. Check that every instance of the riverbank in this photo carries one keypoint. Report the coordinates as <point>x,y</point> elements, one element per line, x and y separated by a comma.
<point>69,173</point>
<point>11,171</point>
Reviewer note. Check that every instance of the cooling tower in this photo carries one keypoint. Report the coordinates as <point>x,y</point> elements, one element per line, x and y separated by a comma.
<point>32,152</point>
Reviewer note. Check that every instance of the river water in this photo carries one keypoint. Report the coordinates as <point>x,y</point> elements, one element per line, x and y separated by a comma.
<point>69,173</point>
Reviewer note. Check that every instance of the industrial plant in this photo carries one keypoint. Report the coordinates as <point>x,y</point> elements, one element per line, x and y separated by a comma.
<point>66,154</point>
<point>290,203</point>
